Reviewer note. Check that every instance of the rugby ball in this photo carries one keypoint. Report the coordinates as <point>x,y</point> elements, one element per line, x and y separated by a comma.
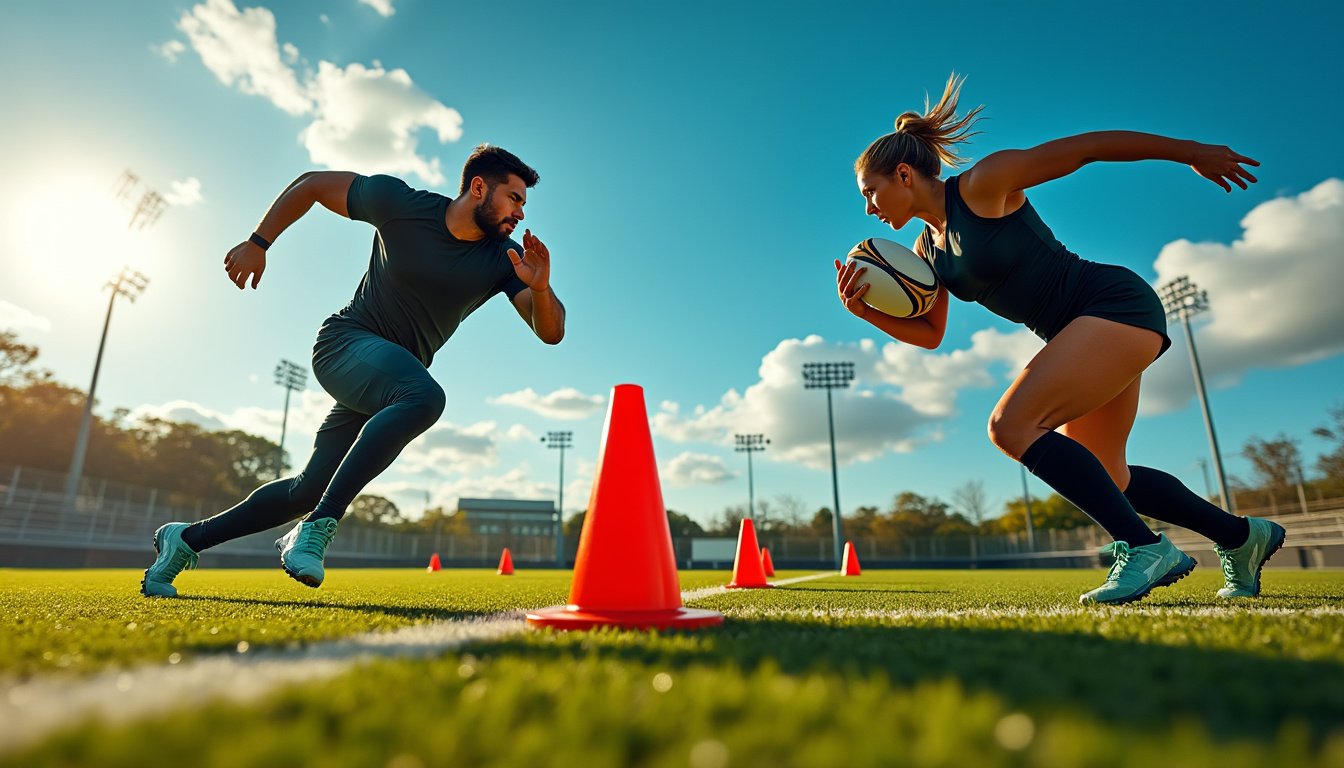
<point>900,283</point>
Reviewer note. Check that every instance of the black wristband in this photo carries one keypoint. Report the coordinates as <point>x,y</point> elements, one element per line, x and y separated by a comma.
<point>259,241</point>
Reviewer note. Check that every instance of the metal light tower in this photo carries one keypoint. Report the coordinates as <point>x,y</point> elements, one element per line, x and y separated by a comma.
<point>293,378</point>
<point>1183,299</point>
<point>1026,499</point>
<point>130,284</point>
<point>750,444</point>
<point>830,376</point>
<point>560,441</point>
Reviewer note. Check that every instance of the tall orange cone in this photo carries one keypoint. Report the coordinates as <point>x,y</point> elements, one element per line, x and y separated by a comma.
<point>433,566</point>
<point>767,564</point>
<point>505,563</point>
<point>625,573</point>
<point>748,573</point>
<point>851,561</point>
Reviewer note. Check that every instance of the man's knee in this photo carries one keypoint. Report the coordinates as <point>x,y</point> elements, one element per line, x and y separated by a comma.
<point>428,402</point>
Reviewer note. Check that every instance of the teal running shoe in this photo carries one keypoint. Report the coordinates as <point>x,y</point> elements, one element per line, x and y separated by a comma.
<point>1241,566</point>
<point>302,550</point>
<point>173,557</point>
<point>1138,570</point>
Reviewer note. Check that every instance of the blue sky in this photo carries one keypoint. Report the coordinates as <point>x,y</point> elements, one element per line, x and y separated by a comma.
<point>696,183</point>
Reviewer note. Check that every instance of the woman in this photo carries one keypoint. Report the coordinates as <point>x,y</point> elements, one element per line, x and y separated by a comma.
<point>1068,415</point>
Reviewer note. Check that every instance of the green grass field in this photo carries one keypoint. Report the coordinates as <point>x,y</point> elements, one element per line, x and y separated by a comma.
<point>928,668</point>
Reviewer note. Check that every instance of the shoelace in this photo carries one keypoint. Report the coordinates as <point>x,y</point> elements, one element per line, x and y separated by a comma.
<point>1120,551</point>
<point>1229,567</point>
<point>318,538</point>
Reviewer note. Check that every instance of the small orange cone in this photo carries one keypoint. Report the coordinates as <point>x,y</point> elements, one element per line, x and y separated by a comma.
<point>851,561</point>
<point>434,566</point>
<point>625,573</point>
<point>748,573</point>
<point>505,563</point>
<point>766,564</point>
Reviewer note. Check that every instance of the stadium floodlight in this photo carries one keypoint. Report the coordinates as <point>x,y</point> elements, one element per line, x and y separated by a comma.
<point>129,284</point>
<point>830,376</point>
<point>750,444</point>
<point>1182,300</point>
<point>1026,500</point>
<point>292,377</point>
<point>560,441</point>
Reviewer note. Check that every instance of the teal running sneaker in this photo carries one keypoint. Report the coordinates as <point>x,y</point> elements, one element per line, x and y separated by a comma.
<point>1241,566</point>
<point>302,550</point>
<point>1136,571</point>
<point>173,556</point>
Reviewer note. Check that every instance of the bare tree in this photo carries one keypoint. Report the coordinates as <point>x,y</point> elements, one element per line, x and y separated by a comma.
<point>969,499</point>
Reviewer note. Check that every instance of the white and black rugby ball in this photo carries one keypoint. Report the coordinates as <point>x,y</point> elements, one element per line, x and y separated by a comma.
<point>901,284</point>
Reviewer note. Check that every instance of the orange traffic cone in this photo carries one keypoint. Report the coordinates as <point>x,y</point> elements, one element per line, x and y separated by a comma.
<point>748,573</point>
<point>851,561</point>
<point>434,566</point>
<point>625,574</point>
<point>766,564</point>
<point>505,563</point>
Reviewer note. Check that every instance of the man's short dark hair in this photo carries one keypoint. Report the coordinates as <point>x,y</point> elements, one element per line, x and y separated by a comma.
<point>494,164</point>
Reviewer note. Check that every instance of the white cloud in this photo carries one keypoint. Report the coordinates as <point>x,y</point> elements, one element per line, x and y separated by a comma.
<point>185,193</point>
<point>14,317</point>
<point>519,433</point>
<point>169,50</point>
<point>567,403</point>
<point>899,396</point>
<point>240,48</point>
<point>383,7</point>
<point>307,410</point>
<point>1273,295</point>
<point>695,469</point>
<point>367,119</point>
<point>449,449</point>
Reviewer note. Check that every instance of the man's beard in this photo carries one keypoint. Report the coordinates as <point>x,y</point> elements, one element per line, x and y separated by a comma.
<point>493,228</point>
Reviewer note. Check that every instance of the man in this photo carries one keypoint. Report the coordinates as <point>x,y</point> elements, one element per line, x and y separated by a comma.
<point>435,260</point>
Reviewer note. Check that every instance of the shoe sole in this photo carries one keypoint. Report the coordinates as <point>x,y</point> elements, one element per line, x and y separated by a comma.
<point>307,581</point>
<point>1172,577</point>
<point>145,575</point>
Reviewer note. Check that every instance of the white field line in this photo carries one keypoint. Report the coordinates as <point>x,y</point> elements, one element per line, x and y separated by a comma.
<point>31,709</point>
<point>696,594</point>
<point>919,614</point>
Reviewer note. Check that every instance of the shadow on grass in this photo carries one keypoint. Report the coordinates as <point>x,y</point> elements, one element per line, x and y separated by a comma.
<point>1122,682</point>
<point>402,611</point>
<point>847,590</point>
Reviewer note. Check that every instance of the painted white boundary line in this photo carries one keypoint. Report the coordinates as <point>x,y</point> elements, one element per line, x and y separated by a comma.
<point>32,709</point>
<point>696,594</point>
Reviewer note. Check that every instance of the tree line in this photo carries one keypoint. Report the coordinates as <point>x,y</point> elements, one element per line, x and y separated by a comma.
<point>39,418</point>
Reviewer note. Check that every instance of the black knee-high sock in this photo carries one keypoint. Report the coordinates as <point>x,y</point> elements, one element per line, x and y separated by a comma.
<point>1078,476</point>
<point>1162,497</point>
<point>268,506</point>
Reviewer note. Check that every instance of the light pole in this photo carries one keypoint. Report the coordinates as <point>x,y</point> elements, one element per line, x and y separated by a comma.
<point>293,378</point>
<point>750,444</point>
<point>830,376</point>
<point>560,441</point>
<point>1026,499</point>
<point>130,284</point>
<point>1183,299</point>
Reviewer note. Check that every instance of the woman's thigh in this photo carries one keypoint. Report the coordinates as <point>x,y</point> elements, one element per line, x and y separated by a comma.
<point>1087,365</point>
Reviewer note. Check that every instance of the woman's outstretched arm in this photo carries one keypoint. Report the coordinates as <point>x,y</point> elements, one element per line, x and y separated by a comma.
<point>1009,171</point>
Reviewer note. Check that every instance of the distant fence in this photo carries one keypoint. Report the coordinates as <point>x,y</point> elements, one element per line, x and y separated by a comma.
<point>111,524</point>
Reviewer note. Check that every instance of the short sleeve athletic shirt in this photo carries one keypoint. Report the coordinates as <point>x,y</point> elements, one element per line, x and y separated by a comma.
<point>422,281</point>
<point>1012,265</point>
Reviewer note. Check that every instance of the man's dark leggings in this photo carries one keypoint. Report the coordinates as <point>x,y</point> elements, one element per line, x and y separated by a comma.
<point>385,398</point>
